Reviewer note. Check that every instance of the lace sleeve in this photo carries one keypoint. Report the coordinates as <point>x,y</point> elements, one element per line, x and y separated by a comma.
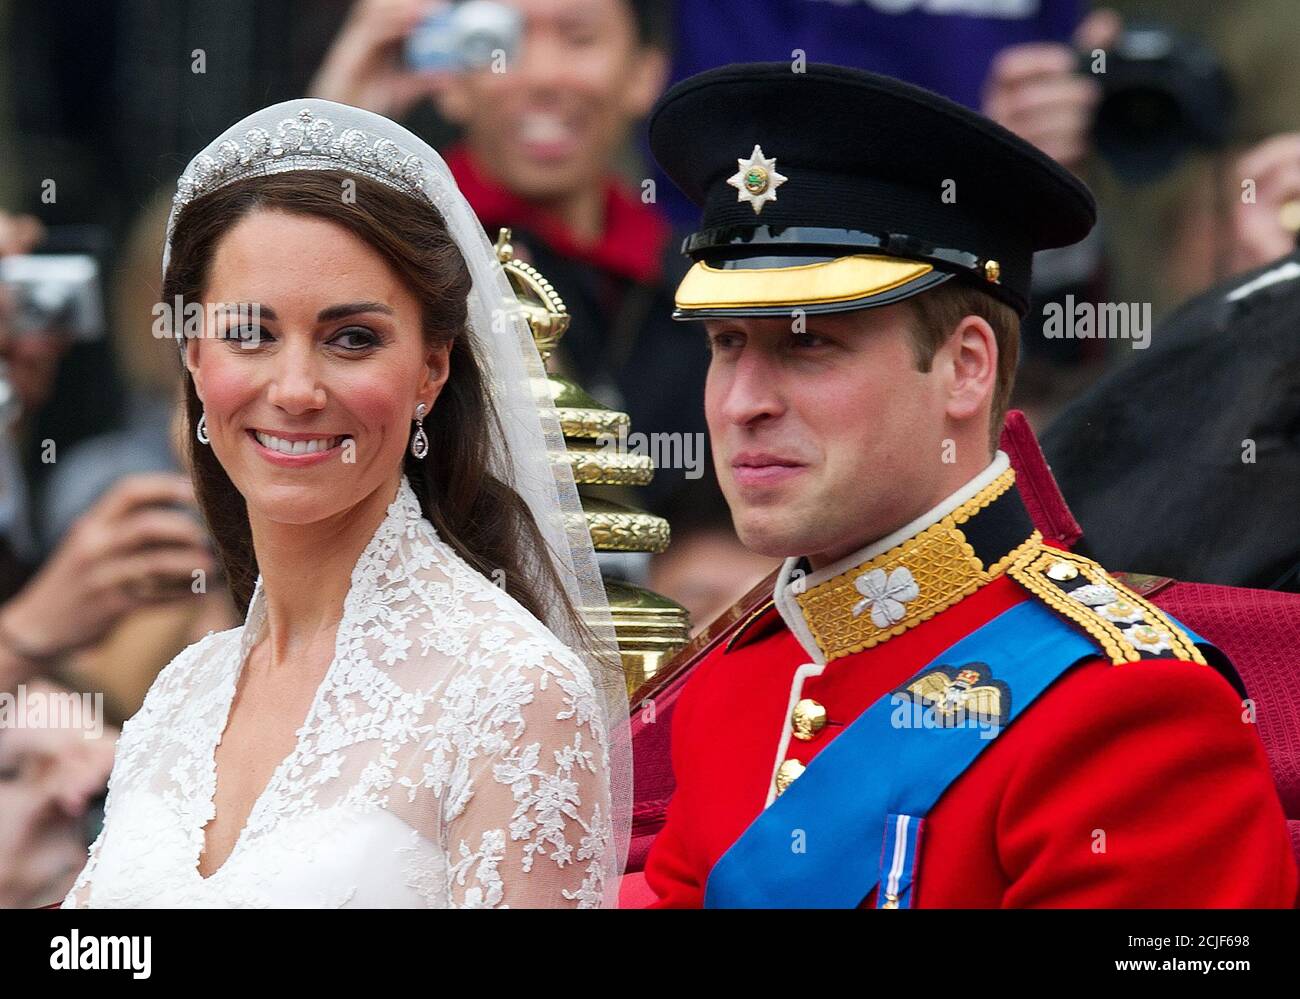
<point>535,829</point>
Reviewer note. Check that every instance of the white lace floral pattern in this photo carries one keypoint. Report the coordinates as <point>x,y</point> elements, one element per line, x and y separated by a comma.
<point>454,755</point>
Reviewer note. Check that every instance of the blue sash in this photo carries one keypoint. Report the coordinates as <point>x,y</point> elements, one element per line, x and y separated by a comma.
<point>819,845</point>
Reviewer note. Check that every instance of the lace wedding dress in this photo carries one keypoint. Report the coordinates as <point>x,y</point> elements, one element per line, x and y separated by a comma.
<point>454,755</point>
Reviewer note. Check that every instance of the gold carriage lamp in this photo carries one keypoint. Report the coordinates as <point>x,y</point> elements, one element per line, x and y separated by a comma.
<point>650,628</point>
<point>541,303</point>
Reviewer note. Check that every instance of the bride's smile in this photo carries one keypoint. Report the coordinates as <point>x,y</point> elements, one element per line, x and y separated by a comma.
<point>284,447</point>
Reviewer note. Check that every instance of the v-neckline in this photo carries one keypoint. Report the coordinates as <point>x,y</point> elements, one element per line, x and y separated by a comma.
<point>257,617</point>
<point>395,516</point>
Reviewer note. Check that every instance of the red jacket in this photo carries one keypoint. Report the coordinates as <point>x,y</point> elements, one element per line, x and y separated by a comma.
<point>1131,785</point>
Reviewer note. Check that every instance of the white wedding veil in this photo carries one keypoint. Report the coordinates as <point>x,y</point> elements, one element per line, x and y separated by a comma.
<point>311,134</point>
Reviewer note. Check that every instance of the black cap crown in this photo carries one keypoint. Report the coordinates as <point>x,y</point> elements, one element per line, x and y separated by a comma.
<point>833,189</point>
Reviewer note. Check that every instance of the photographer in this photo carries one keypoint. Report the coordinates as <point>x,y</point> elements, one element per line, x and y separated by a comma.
<point>127,552</point>
<point>1036,90</point>
<point>544,139</point>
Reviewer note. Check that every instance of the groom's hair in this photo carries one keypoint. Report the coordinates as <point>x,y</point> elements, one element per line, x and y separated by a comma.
<point>481,517</point>
<point>934,316</point>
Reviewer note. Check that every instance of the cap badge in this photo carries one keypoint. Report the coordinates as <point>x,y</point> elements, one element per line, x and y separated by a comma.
<point>756,180</point>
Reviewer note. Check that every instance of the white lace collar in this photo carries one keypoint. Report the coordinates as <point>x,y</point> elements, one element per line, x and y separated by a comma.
<point>793,579</point>
<point>403,514</point>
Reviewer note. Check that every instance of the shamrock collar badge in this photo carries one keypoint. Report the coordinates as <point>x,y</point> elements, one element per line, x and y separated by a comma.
<point>886,596</point>
<point>756,180</point>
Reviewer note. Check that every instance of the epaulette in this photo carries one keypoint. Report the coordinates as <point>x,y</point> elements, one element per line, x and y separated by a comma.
<point>1128,627</point>
<point>764,621</point>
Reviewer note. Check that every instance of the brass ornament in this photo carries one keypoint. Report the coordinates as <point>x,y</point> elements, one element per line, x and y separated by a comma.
<point>590,422</point>
<point>592,467</point>
<point>542,306</point>
<point>649,627</point>
<point>617,528</point>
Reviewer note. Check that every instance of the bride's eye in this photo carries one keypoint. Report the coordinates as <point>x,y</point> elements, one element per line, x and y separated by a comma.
<point>247,335</point>
<point>360,338</point>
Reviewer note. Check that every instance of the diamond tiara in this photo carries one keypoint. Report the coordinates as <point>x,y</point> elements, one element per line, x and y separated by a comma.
<point>304,141</point>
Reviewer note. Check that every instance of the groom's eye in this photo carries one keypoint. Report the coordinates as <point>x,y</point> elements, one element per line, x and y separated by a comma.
<point>724,341</point>
<point>808,341</point>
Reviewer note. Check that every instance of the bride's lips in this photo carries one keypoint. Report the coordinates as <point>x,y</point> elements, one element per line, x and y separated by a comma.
<point>760,468</point>
<point>296,460</point>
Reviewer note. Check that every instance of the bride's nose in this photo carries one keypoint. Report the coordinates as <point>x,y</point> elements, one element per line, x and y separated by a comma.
<point>295,385</point>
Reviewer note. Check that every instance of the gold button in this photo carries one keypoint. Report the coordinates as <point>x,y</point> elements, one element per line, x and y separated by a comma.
<point>1062,571</point>
<point>992,271</point>
<point>787,773</point>
<point>808,719</point>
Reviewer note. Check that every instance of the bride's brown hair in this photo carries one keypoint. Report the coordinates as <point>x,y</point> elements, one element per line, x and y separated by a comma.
<point>481,517</point>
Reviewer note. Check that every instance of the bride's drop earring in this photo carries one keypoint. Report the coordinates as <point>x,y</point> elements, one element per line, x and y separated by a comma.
<point>201,431</point>
<point>420,442</point>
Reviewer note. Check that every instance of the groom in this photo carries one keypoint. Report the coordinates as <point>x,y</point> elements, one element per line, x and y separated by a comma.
<point>936,708</point>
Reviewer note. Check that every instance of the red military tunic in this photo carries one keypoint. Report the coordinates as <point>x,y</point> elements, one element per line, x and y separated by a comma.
<point>1129,785</point>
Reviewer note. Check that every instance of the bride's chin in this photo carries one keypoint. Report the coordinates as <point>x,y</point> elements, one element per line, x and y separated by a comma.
<point>294,503</point>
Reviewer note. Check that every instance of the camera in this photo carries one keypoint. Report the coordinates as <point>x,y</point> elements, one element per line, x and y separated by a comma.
<point>465,36</point>
<point>56,290</point>
<point>53,293</point>
<point>1163,94</point>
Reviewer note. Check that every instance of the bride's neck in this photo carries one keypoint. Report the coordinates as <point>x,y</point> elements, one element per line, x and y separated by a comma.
<point>307,570</point>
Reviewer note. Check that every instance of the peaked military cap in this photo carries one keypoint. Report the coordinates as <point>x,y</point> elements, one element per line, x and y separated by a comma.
<point>835,189</point>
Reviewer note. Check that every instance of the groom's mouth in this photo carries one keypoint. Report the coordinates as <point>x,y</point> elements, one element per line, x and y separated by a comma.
<point>759,469</point>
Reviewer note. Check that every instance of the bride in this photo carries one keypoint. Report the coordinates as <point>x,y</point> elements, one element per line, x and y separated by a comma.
<point>414,713</point>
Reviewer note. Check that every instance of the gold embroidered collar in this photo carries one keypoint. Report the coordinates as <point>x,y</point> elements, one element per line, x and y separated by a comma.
<point>885,594</point>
